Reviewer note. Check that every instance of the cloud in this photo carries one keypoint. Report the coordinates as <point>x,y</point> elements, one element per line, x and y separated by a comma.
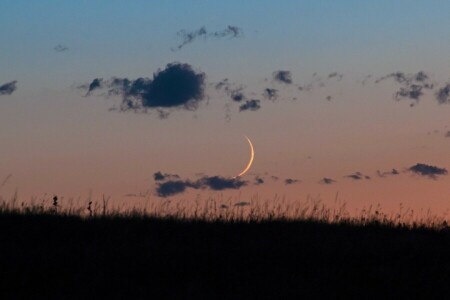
<point>387,173</point>
<point>172,187</point>
<point>326,180</point>
<point>234,92</point>
<point>60,48</point>
<point>8,88</point>
<point>189,37</point>
<point>288,181</point>
<point>259,180</point>
<point>270,94</point>
<point>443,94</point>
<point>237,95</point>
<point>218,183</point>
<point>427,170</point>
<point>158,176</point>
<point>357,176</point>
<point>282,76</point>
<point>176,86</point>
<point>336,75</point>
<point>447,134</point>
<point>176,186</point>
<point>94,85</point>
<point>411,85</point>
<point>413,92</point>
<point>252,105</point>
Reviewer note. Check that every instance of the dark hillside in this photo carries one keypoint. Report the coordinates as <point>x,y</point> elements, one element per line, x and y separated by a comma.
<point>62,257</point>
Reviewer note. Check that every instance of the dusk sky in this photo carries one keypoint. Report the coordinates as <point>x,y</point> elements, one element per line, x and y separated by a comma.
<point>155,98</point>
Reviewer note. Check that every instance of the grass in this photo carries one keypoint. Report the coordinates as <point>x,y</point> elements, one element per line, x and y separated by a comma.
<point>219,249</point>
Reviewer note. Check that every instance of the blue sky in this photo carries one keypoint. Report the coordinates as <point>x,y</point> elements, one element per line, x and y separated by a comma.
<point>133,37</point>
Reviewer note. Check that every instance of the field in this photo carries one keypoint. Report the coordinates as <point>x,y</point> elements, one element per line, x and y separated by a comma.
<point>212,251</point>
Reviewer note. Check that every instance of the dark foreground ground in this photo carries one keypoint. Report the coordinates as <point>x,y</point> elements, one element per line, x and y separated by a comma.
<point>55,257</point>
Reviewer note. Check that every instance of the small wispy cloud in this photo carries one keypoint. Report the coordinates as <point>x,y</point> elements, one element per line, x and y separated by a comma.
<point>60,48</point>
<point>282,76</point>
<point>189,37</point>
<point>8,88</point>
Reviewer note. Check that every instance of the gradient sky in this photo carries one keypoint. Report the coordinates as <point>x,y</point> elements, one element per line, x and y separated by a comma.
<point>54,140</point>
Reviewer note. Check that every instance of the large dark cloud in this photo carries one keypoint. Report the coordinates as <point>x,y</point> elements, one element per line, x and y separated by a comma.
<point>282,76</point>
<point>176,86</point>
<point>443,94</point>
<point>190,36</point>
<point>252,105</point>
<point>447,134</point>
<point>170,187</point>
<point>427,170</point>
<point>8,88</point>
<point>412,86</point>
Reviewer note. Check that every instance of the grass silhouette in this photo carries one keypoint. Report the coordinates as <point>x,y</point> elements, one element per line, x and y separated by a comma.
<point>215,249</point>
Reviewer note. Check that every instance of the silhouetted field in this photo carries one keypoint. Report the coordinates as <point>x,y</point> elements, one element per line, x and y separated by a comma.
<point>51,254</point>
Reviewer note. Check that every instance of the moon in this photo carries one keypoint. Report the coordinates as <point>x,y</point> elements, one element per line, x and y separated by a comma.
<point>252,156</point>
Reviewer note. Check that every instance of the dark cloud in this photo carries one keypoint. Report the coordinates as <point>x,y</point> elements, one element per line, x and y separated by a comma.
<point>336,75</point>
<point>60,48</point>
<point>8,88</point>
<point>159,176</point>
<point>413,92</point>
<point>329,98</point>
<point>357,176</point>
<point>411,85</point>
<point>387,173</point>
<point>252,105</point>
<point>443,94</point>
<point>288,181</point>
<point>218,183</point>
<point>222,84</point>
<point>365,79</point>
<point>282,76</point>
<point>172,187</point>
<point>215,183</point>
<point>94,85</point>
<point>237,96</point>
<point>234,92</point>
<point>230,31</point>
<point>427,170</point>
<point>326,180</point>
<point>259,180</point>
<point>176,86</point>
<point>190,36</point>
<point>447,134</point>
<point>271,94</point>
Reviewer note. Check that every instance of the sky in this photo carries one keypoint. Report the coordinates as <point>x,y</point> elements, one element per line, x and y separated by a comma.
<point>155,98</point>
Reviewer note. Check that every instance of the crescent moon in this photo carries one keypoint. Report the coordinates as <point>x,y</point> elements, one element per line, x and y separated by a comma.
<point>252,156</point>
